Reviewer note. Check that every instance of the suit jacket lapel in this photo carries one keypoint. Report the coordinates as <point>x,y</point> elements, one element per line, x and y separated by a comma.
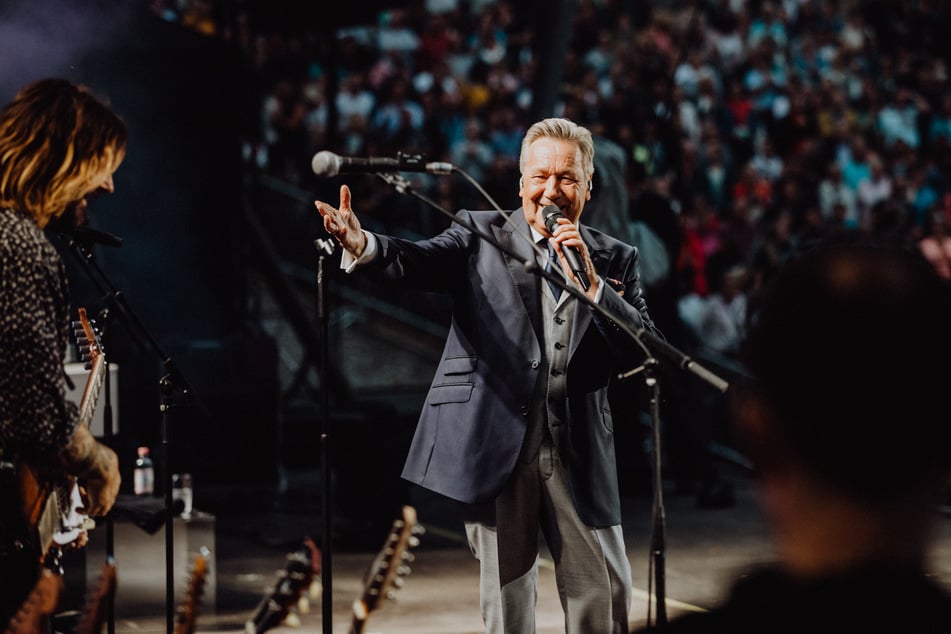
<point>526,283</point>
<point>582,316</point>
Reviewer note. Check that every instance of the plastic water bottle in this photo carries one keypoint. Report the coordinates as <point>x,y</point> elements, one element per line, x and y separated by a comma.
<point>144,473</point>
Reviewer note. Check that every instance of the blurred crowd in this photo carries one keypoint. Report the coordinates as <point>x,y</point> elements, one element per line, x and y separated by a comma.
<point>743,129</point>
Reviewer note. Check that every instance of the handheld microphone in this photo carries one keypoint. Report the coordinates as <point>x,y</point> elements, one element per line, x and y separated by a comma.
<point>550,214</point>
<point>327,164</point>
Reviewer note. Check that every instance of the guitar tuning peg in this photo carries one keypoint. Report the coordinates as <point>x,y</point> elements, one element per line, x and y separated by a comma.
<point>419,529</point>
<point>398,582</point>
<point>403,570</point>
<point>292,620</point>
<point>315,589</point>
<point>409,557</point>
<point>413,541</point>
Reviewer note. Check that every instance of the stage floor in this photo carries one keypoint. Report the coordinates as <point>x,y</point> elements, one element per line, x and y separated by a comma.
<point>701,550</point>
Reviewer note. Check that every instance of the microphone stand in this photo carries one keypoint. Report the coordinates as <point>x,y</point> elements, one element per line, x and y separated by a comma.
<point>325,248</point>
<point>170,384</point>
<point>107,432</point>
<point>650,343</point>
<point>656,567</point>
<point>651,378</point>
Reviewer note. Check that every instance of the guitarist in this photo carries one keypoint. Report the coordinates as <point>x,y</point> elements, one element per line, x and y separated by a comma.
<point>59,146</point>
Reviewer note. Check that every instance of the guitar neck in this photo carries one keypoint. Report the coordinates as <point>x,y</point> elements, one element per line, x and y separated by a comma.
<point>187,617</point>
<point>388,569</point>
<point>92,391</point>
<point>88,341</point>
<point>303,566</point>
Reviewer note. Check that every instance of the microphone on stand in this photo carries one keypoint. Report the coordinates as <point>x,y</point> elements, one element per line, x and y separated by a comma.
<point>84,234</point>
<point>327,164</point>
<point>88,235</point>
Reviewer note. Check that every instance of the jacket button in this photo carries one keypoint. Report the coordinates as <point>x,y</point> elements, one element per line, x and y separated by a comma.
<point>524,410</point>
<point>534,364</point>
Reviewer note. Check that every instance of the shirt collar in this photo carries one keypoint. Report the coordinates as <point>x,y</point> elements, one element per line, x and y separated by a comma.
<point>536,235</point>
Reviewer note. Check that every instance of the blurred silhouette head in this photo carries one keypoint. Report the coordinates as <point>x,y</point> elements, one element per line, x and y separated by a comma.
<point>841,349</point>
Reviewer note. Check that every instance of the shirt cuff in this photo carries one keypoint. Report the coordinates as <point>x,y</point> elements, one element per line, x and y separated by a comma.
<point>349,263</point>
<point>600,293</point>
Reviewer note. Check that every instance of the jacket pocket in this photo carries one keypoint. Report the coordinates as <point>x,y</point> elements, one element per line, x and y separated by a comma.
<point>458,365</point>
<point>452,385</point>
<point>450,393</point>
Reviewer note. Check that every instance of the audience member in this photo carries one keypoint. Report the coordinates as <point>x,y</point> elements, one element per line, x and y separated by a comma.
<point>936,245</point>
<point>841,418</point>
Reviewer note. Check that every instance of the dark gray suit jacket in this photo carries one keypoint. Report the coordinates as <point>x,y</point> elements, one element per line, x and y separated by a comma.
<point>475,416</point>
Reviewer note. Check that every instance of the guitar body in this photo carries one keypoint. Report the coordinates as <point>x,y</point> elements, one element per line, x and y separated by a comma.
<point>49,508</point>
<point>23,498</point>
<point>28,519</point>
<point>47,503</point>
<point>34,494</point>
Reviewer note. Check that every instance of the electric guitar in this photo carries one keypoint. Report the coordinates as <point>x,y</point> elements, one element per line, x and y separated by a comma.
<point>389,568</point>
<point>296,585</point>
<point>33,615</point>
<point>187,614</point>
<point>51,502</point>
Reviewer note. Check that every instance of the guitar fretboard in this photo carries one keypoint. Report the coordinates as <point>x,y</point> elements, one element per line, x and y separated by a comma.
<point>93,391</point>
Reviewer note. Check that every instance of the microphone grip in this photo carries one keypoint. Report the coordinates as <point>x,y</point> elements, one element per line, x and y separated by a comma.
<point>577,267</point>
<point>550,215</point>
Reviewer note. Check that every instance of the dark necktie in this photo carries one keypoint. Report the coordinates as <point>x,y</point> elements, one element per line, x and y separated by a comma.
<point>553,267</point>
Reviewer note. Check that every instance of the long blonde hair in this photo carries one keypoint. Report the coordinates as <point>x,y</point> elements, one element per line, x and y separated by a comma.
<point>58,142</point>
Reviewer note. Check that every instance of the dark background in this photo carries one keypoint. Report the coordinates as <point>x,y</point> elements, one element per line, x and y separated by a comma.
<point>199,381</point>
<point>187,101</point>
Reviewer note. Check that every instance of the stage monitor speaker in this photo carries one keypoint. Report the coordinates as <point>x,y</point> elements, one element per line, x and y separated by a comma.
<point>78,374</point>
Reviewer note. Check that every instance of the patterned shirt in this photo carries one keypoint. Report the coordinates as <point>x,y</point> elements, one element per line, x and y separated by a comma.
<point>34,334</point>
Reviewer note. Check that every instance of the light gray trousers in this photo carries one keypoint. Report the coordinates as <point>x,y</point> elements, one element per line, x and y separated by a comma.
<point>592,570</point>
